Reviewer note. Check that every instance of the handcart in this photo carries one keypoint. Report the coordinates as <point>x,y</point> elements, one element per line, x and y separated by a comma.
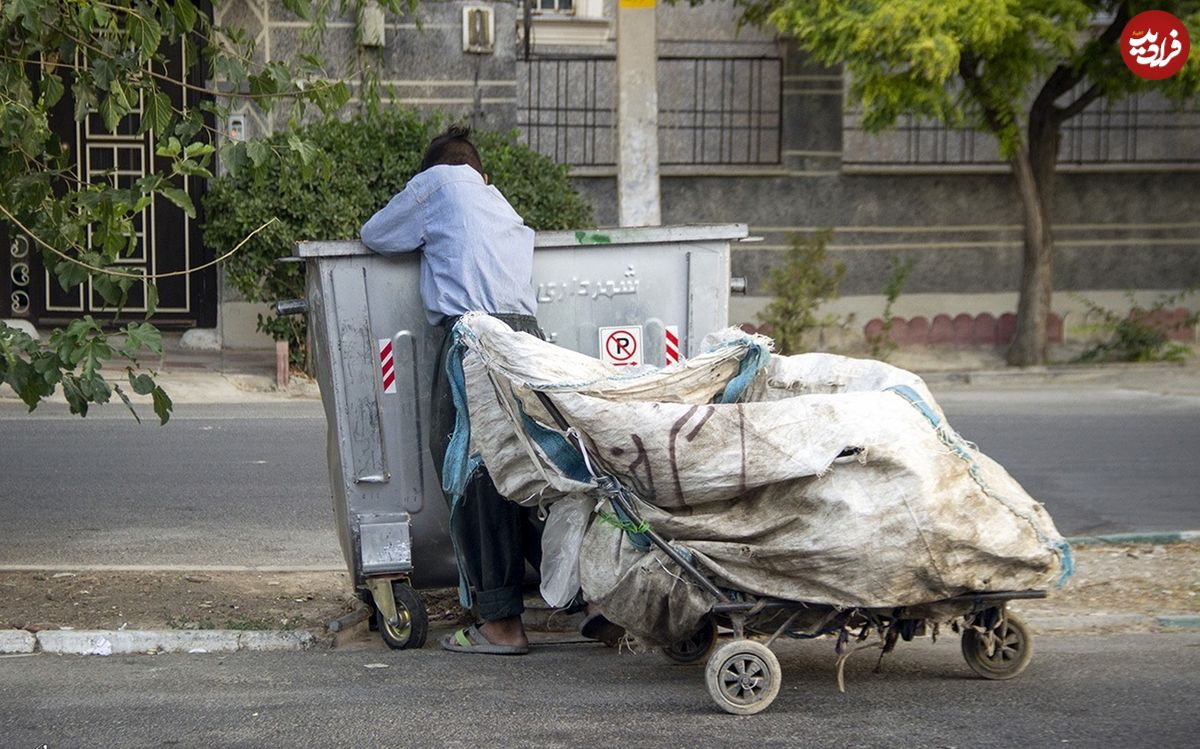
<point>743,675</point>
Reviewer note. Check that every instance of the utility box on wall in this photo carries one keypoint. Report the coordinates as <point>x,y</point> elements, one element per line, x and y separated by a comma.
<point>479,30</point>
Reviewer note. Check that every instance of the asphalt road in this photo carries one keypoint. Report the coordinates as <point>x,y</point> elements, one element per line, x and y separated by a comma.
<point>241,484</point>
<point>1117,691</point>
<point>1102,460</point>
<point>247,484</point>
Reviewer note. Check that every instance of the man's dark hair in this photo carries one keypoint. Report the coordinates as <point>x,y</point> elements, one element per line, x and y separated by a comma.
<point>452,147</point>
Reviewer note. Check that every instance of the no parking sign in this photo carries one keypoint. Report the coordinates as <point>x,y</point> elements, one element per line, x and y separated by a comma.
<point>621,346</point>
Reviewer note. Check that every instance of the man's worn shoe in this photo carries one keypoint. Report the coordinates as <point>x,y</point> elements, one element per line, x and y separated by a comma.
<point>471,640</point>
<point>596,627</point>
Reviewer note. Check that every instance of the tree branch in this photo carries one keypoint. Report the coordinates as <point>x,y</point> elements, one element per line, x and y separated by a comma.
<point>1062,80</point>
<point>974,85</point>
<point>1087,97</point>
<point>1065,77</point>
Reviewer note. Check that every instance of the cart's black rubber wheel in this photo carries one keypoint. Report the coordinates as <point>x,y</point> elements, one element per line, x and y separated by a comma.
<point>743,677</point>
<point>1012,649</point>
<point>413,625</point>
<point>697,647</point>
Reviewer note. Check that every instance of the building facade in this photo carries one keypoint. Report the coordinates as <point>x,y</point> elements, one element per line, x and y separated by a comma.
<point>751,132</point>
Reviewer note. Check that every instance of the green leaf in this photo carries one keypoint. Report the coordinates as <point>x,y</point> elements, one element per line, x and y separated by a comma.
<point>110,112</point>
<point>108,288</point>
<point>169,149</point>
<point>128,403</point>
<point>258,152</point>
<point>145,34</point>
<point>233,157</point>
<point>262,86</point>
<point>197,149</point>
<point>180,198</point>
<point>52,89</point>
<point>157,113</point>
<point>124,97</point>
<point>142,384</point>
<point>151,298</point>
<point>185,12</point>
<point>307,151</point>
<point>138,336</point>
<point>192,169</point>
<point>299,7</point>
<point>70,274</point>
<point>30,13</point>
<point>75,396</point>
<point>162,404</point>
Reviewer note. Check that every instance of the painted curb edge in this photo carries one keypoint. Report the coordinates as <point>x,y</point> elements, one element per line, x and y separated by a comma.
<point>1158,537</point>
<point>134,642</point>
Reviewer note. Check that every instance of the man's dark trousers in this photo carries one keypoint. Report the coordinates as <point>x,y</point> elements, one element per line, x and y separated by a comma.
<point>495,536</point>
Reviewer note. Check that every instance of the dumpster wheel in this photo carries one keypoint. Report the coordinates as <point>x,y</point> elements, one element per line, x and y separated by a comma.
<point>411,623</point>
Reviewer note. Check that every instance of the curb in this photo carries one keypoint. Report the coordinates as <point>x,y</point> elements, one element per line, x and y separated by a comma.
<point>1181,621</point>
<point>132,642</point>
<point>1055,624</point>
<point>1163,537</point>
<point>1059,624</point>
<point>1109,373</point>
<point>16,642</point>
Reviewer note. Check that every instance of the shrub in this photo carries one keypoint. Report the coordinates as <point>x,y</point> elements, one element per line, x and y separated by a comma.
<point>801,283</point>
<point>329,191</point>
<point>881,343</point>
<point>1132,337</point>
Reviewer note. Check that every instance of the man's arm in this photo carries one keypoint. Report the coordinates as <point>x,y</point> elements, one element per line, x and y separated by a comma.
<point>397,228</point>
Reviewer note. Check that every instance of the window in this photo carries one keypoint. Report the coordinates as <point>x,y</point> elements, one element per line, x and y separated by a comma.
<point>560,7</point>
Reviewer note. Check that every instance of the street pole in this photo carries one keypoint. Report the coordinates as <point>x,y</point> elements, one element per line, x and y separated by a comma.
<point>638,196</point>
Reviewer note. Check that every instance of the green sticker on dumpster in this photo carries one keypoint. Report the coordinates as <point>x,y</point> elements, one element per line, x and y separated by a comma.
<point>585,237</point>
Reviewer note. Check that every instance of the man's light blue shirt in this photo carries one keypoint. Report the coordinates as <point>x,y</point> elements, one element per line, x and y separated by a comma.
<point>477,253</point>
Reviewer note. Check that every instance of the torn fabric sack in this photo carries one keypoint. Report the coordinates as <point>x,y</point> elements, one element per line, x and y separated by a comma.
<point>811,478</point>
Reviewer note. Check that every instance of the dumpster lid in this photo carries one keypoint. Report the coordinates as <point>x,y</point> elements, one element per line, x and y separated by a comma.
<point>625,235</point>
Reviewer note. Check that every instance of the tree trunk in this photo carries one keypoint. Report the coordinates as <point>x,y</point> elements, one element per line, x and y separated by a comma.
<point>1033,169</point>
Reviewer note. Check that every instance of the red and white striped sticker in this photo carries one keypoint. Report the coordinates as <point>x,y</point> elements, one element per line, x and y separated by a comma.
<point>672,336</point>
<point>386,367</point>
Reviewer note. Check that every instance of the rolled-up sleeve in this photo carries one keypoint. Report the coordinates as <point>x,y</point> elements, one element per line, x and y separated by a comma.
<point>396,228</point>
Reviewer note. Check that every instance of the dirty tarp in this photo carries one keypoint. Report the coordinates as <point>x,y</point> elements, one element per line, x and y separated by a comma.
<point>812,478</point>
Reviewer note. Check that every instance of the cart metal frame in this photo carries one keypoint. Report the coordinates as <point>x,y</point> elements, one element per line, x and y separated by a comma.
<point>744,676</point>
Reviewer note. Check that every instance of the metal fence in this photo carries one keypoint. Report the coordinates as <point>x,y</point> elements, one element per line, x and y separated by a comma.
<point>723,110</point>
<point>712,110</point>
<point>1141,129</point>
<point>566,109</point>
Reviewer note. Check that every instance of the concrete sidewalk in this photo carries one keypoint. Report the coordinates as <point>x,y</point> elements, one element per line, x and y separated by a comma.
<point>210,376</point>
<point>248,376</point>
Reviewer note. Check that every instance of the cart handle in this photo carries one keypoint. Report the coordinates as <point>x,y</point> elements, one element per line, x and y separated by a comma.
<point>618,499</point>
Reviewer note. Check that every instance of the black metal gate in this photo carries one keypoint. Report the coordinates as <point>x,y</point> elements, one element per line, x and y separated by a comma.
<point>168,242</point>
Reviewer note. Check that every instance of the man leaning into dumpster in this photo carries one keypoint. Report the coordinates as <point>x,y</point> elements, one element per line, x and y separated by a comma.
<point>476,256</point>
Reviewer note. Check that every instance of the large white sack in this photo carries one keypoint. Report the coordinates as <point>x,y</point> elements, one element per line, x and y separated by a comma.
<point>831,480</point>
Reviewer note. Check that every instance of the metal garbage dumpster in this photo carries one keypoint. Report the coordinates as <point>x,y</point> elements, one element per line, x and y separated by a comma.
<point>630,296</point>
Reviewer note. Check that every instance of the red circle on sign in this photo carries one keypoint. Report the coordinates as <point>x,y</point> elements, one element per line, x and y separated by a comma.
<point>624,343</point>
<point>1155,45</point>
